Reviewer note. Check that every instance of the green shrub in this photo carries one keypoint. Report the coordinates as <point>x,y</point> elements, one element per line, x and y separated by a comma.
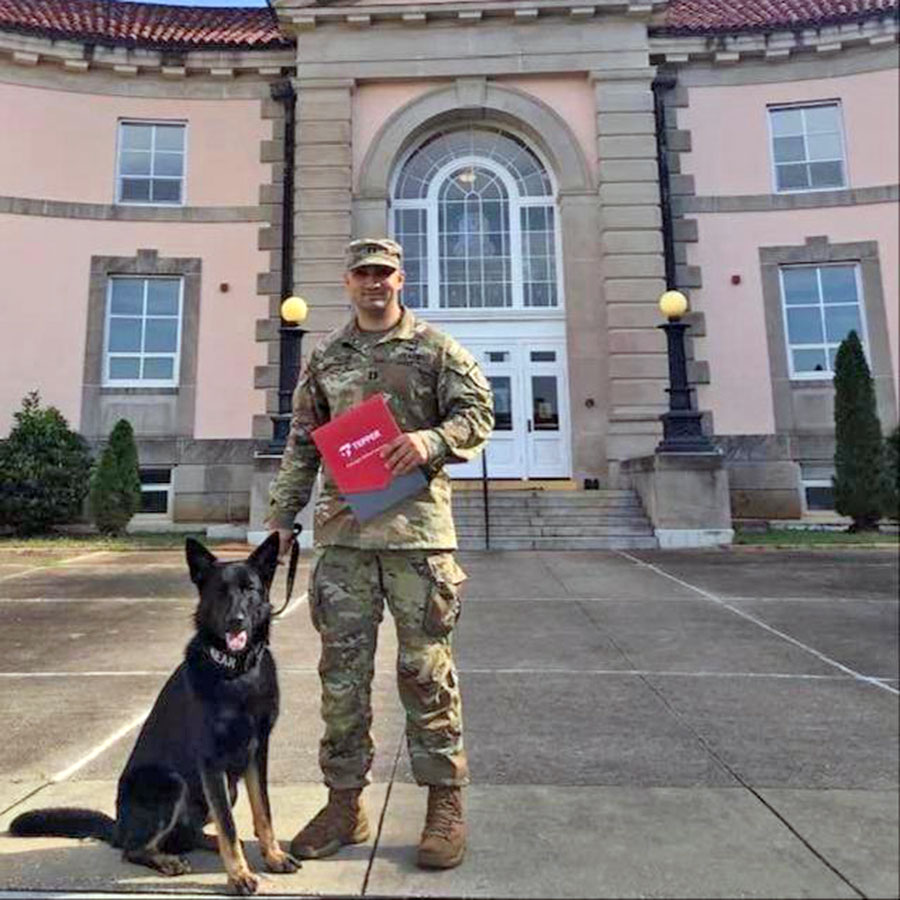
<point>892,467</point>
<point>860,487</point>
<point>44,470</point>
<point>116,484</point>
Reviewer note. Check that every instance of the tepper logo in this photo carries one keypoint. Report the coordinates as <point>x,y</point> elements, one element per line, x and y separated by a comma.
<point>350,448</point>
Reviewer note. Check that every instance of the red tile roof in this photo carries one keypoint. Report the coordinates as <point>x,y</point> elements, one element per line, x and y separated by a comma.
<point>144,24</point>
<point>185,27</point>
<point>716,16</point>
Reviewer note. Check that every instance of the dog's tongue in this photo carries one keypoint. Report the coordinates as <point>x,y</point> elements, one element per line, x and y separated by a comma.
<point>236,641</point>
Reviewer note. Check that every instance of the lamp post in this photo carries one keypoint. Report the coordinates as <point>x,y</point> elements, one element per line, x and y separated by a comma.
<point>293,313</point>
<point>682,432</point>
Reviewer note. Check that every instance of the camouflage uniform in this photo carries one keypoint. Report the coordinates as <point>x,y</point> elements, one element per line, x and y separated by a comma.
<point>433,386</point>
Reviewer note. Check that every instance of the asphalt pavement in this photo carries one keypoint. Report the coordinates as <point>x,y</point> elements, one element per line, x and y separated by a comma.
<point>718,723</point>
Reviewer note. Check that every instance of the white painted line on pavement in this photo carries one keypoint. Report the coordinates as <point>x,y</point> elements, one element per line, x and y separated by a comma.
<point>574,598</point>
<point>297,601</point>
<point>97,674</point>
<point>63,774</point>
<point>312,670</point>
<point>191,600</point>
<point>860,599</point>
<point>651,673</point>
<point>866,679</point>
<point>55,564</point>
<point>49,894</point>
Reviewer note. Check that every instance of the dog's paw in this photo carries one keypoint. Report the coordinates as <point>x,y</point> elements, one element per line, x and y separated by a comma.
<point>243,883</point>
<point>279,861</point>
<point>173,865</point>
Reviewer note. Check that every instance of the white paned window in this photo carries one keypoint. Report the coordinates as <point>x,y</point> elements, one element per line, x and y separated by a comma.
<point>475,212</point>
<point>142,339</point>
<point>822,305</point>
<point>151,163</point>
<point>808,147</point>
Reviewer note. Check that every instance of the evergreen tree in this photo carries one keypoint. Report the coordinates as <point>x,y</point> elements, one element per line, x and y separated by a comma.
<point>892,463</point>
<point>859,480</point>
<point>116,485</point>
<point>44,469</point>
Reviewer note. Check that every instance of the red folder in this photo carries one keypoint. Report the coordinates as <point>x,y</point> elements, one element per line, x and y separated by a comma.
<point>351,446</point>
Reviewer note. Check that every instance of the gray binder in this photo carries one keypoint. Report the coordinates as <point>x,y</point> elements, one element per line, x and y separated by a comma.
<point>367,505</point>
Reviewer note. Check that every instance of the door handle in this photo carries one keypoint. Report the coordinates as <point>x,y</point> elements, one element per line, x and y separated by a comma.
<point>529,425</point>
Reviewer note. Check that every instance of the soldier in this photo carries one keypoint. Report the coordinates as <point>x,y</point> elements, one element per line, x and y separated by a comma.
<point>442,403</point>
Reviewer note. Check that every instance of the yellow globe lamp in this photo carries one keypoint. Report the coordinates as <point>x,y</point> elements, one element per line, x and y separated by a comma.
<point>673,304</point>
<point>294,310</point>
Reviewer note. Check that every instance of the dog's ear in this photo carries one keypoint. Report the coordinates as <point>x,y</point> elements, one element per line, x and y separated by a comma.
<point>200,561</point>
<point>265,558</point>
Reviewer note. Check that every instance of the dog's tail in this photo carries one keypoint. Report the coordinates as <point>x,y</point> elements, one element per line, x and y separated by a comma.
<point>64,822</point>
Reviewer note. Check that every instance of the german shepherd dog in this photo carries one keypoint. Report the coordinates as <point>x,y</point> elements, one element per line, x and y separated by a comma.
<point>209,727</point>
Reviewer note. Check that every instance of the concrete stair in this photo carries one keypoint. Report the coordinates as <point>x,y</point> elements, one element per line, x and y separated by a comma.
<point>552,520</point>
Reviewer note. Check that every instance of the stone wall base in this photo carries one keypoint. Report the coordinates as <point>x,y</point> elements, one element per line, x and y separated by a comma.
<point>675,538</point>
<point>764,477</point>
<point>265,466</point>
<point>685,496</point>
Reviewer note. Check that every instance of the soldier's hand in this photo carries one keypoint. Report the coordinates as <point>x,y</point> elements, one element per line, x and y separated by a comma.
<point>285,536</point>
<point>405,452</point>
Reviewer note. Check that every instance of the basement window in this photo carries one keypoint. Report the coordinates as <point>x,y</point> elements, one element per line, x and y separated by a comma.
<point>156,492</point>
<point>819,495</point>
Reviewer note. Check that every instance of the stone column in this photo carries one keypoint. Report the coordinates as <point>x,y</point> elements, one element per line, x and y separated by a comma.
<point>632,261</point>
<point>323,200</point>
<point>586,334</point>
<point>322,228</point>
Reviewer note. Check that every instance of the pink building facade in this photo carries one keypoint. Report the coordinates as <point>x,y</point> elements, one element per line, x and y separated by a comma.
<point>550,169</point>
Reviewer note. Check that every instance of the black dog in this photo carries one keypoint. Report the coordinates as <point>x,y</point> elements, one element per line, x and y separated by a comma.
<point>209,727</point>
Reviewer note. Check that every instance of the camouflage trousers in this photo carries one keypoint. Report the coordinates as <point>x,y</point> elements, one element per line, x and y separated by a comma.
<point>348,588</point>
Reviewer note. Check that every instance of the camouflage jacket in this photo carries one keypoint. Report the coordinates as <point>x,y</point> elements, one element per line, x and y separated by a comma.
<point>432,385</point>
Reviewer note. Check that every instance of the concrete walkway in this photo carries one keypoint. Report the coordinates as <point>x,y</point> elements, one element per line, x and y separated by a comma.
<point>639,724</point>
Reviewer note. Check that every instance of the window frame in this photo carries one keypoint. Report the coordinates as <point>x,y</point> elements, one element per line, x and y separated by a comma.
<point>773,165</point>
<point>516,202</point>
<point>806,483</point>
<point>826,374</point>
<point>160,488</point>
<point>108,382</point>
<point>183,178</point>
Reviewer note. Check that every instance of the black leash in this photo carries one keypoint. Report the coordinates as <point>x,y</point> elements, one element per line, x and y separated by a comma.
<point>292,567</point>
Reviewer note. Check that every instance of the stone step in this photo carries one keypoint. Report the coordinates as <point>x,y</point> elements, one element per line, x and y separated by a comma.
<point>562,496</point>
<point>616,542</point>
<point>553,520</point>
<point>558,530</point>
<point>518,517</point>
<point>562,501</point>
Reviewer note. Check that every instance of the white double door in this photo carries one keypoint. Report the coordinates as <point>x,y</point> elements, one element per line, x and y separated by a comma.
<point>531,408</point>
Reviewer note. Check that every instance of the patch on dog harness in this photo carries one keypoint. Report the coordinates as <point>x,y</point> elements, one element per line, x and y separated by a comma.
<point>222,658</point>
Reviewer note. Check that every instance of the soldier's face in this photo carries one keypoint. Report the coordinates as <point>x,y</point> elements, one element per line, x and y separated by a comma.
<point>374,290</point>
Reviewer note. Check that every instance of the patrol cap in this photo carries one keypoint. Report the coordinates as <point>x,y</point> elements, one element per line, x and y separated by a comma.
<point>374,252</point>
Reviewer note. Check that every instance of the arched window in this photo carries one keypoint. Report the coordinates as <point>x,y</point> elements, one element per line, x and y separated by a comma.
<point>475,213</point>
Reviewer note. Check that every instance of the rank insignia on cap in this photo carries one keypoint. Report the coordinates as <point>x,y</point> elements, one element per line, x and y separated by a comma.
<point>374,252</point>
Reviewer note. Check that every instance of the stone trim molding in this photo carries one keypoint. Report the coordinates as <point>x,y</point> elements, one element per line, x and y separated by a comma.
<point>774,46</point>
<point>301,17</point>
<point>64,209</point>
<point>886,193</point>
<point>542,127</point>
<point>80,58</point>
<point>817,395</point>
<point>153,413</point>
<point>488,47</point>
<point>852,61</point>
<point>111,84</point>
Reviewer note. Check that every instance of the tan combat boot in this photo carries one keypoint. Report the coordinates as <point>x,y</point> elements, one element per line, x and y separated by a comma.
<point>342,821</point>
<point>443,842</point>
